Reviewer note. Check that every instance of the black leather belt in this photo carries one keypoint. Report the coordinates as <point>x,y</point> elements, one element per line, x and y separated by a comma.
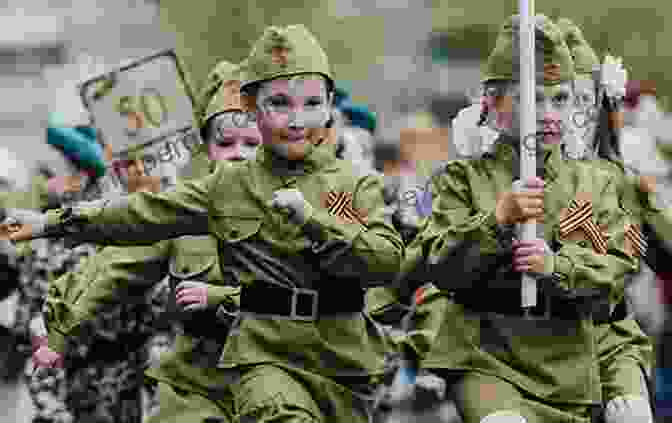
<point>507,302</point>
<point>302,304</point>
<point>205,324</point>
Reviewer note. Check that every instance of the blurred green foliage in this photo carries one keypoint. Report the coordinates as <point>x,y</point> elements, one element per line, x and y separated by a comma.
<point>212,30</point>
<point>634,30</point>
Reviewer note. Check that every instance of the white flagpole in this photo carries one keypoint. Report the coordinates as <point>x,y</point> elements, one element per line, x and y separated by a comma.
<point>528,129</point>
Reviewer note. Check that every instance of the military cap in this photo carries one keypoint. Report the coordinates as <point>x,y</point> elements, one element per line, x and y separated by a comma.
<point>286,52</point>
<point>222,94</point>
<point>553,59</point>
<point>585,59</point>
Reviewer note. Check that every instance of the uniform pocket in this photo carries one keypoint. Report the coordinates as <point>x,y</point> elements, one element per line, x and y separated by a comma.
<point>232,228</point>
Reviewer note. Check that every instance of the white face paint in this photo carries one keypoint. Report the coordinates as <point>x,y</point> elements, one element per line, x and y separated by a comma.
<point>300,102</point>
<point>288,109</point>
<point>554,108</point>
<point>584,119</point>
<point>233,136</point>
<point>584,91</point>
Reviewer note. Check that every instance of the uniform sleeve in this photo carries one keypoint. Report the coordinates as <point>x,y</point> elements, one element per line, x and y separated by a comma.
<point>430,308</point>
<point>112,276</point>
<point>140,218</point>
<point>369,251</point>
<point>456,238</point>
<point>227,295</point>
<point>36,198</point>
<point>580,267</point>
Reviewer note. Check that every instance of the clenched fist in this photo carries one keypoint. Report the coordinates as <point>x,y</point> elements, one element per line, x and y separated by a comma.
<point>520,207</point>
<point>22,224</point>
<point>45,357</point>
<point>532,257</point>
<point>192,295</point>
<point>293,203</point>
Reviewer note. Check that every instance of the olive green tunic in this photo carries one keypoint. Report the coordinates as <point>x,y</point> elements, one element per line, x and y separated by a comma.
<point>552,360</point>
<point>326,253</point>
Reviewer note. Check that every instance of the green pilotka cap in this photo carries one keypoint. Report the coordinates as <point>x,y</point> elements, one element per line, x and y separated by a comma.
<point>286,52</point>
<point>222,92</point>
<point>553,58</point>
<point>585,59</point>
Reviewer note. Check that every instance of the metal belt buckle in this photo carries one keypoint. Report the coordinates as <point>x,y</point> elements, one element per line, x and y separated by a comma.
<point>295,300</point>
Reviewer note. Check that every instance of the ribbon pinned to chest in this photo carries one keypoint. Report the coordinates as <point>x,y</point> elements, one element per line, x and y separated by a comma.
<point>339,204</point>
<point>635,236</point>
<point>580,216</point>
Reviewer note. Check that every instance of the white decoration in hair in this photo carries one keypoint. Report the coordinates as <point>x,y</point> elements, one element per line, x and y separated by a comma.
<point>613,77</point>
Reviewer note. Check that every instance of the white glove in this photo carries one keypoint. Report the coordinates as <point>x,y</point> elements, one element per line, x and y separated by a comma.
<point>292,201</point>
<point>628,410</point>
<point>613,77</point>
<point>466,133</point>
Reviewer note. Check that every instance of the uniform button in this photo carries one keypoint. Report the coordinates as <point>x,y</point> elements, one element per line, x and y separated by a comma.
<point>583,244</point>
<point>234,233</point>
<point>185,269</point>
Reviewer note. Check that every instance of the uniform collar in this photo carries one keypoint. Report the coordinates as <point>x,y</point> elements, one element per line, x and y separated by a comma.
<point>506,151</point>
<point>322,157</point>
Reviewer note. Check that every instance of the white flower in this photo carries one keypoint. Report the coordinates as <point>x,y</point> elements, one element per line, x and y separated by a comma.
<point>613,77</point>
<point>466,134</point>
<point>472,141</point>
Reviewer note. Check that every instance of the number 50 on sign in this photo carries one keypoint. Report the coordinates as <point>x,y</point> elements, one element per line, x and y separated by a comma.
<point>140,103</point>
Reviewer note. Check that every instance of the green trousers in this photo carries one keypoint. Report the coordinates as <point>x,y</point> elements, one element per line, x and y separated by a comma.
<point>624,354</point>
<point>273,393</point>
<point>478,395</point>
<point>180,406</point>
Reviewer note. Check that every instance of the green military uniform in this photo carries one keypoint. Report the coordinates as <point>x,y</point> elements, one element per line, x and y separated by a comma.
<point>543,369</point>
<point>37,197</point>
<point>191,388</point>
<point>285,360</point>
<point>624,351</point>
<point>123,273</point>
<point>40,262</point>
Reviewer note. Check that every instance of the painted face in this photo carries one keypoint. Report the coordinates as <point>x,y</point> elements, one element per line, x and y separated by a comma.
<point>232,139</point>
<point>554,110</point>
<point>133,176</point>
<point>585,116</point>
<point>289,110</point>
<point>584,92</point>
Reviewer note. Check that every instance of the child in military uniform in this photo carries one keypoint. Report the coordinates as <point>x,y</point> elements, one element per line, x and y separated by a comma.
<point>510,367</point>
<point>304,234</point>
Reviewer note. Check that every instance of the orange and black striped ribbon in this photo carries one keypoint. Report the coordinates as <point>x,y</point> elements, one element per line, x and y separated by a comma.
<point>635,235</point>
<point>581,217</point>
<point>340,204</point>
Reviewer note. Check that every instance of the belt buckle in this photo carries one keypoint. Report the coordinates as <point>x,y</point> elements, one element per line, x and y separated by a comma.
<point>295,300</point>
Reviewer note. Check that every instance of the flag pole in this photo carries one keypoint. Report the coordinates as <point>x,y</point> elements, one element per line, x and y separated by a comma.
<point>528,128</point>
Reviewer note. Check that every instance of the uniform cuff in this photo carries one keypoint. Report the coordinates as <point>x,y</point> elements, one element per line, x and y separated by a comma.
<point>222,294</point>
<point>56,341</point>
<point>562,267</point>
<point>320,222</point>
<point>55,217</point>
<point>502,234</point>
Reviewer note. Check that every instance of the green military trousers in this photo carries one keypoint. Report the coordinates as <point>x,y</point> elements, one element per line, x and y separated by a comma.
<point>479,396</point>
<point>625,355</point>
<point>182,406</point>
<point>277,393</point>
